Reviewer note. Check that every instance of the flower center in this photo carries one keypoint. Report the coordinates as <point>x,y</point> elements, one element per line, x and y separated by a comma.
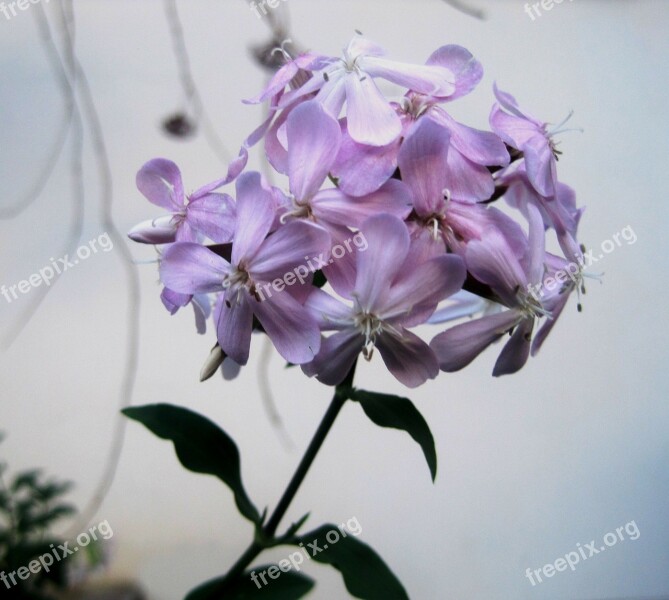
<point>235,283</point>
<point>370,326</point>
<point>299,209</point>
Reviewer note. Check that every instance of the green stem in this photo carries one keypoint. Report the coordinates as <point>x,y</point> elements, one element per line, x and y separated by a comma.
<point>269,530</point>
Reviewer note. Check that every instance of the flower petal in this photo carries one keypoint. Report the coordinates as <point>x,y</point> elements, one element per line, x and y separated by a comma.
<point>388,244</point>
<point>432,80</point>
<point>516,351</point>
<point>456,347</point>
<point>423,162</point>
<point>362,169</point>
<point>408,358</point>
<point>336,357</point>
<point>419,288</point>
<point>214,216</point>
<point>481,147</point>
<point>160,182</point>
<point>313,142</point>
<point>467,71</point>
<point>292,245</point>
<point>333,206</point>
<point>371,119</point>
<point>293,331</point>
<point>189,268</point>
<point>492,261</point>
<point>329,313</point>
<point>255,215</point>
<point>234,327</point>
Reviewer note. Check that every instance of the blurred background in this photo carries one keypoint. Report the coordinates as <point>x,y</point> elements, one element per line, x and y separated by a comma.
<point>571,448</point>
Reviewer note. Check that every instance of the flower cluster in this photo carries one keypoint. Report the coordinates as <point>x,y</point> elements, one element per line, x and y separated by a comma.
<point>406,177</point>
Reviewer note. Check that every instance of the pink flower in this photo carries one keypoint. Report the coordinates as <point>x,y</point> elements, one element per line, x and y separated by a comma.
<point>394,290</point>
<point>202,214</point>
<point>256,259</point>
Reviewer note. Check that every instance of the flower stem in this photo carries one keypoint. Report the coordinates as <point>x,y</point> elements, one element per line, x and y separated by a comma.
<point>269,530</point>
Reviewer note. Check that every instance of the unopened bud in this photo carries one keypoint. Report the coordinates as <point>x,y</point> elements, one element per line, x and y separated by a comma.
<point>215,360</point>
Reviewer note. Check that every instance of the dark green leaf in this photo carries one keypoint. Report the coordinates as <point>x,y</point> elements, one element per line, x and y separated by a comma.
<point>399,413</point>
<point>201,446</point>
<point>288,585</point>
<point>27,479</point>
<point>365,574</point>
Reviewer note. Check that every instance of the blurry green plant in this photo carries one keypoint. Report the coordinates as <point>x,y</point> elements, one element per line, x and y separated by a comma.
<point>30,504</point>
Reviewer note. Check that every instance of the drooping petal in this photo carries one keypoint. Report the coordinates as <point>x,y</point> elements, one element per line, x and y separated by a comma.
<point>160,182</point>
<point>213,215</point>
<point>467,71</point>
<point>313,142</point>
<point>202,309</point>
<point>290,246</point>
<point>516,351</point>
<point>162,230</point>
<point>456,347</point>
<point>408,358</point>
<point>333,206</point>
<point>388,243</point>
<point>173,301</point>
<point>234,327</point>
<point>336,357</point>
<point>423,162</point>
<point>371,120</point>
<point>293,331</point>
<point>189,268</point>
<point>230,369</point>
<point>432,80</point>
<point>255,216</point>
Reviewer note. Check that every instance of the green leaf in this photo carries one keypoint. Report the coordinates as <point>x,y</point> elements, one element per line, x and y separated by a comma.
<point>399,413</point>
<point>201,446</point>
<point>365,574</point>
<point>288,585</point>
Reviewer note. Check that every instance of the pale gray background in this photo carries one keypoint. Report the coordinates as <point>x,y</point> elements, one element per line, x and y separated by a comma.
<point>569,449</point>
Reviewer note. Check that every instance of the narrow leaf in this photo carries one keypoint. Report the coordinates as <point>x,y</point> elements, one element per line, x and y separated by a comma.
<point>201,446</point>
<point>399,413</point>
